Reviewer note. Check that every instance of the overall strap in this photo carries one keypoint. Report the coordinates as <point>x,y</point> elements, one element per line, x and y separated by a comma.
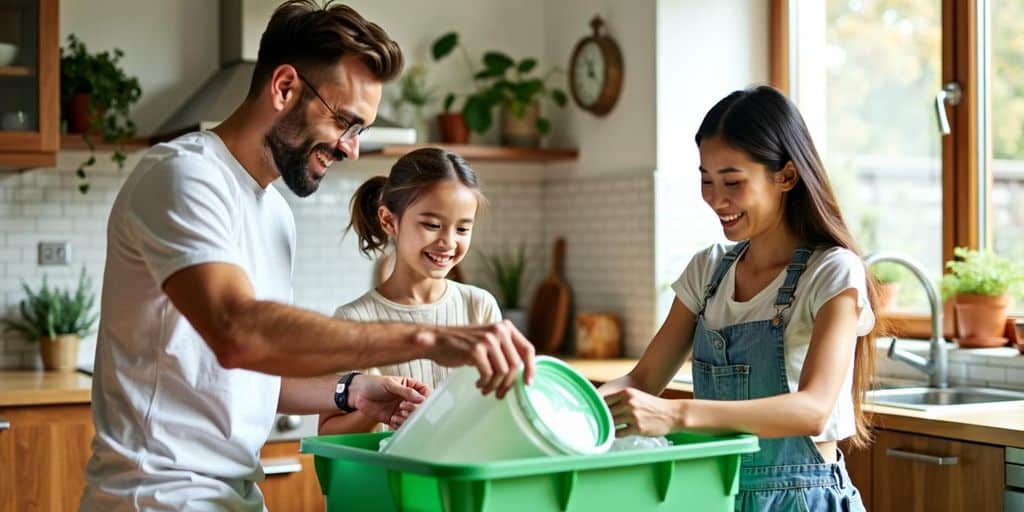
<point>723,267</point>
<point>787,292</point>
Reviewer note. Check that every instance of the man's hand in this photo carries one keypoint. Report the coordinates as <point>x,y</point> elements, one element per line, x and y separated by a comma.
<point>386,399</point>
<point>498,351</point>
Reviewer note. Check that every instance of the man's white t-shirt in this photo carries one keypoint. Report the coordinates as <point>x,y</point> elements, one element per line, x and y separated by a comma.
<point>174,429</point>
<point>829,272</point>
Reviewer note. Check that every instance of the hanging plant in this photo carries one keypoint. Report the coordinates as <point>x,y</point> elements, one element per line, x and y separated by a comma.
<point>96,98</point>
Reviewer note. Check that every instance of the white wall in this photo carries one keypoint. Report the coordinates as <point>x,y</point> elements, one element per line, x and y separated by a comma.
<point>623,140</point>
<point>706,49</point>
<point>170,46</point>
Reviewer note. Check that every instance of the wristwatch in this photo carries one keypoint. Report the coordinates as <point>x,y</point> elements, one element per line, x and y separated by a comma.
<point>341,392</point>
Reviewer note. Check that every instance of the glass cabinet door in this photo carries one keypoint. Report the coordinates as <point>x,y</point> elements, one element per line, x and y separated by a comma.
<point>19,70</point>
<point>29,77</point>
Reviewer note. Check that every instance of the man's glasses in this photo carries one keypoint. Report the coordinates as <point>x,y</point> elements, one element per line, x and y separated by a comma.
<point>349,128</point>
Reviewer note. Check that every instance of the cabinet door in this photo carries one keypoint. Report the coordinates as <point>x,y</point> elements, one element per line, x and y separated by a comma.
<point>29,79</point>
<point>914,473</point>
<point>46,449</point>
<point>291,483</point>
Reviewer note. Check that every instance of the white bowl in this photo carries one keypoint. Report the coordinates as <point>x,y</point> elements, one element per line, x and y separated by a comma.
<point>8,52</point>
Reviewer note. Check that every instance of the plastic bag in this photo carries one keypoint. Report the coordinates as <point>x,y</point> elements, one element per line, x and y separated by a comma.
<point>638,443</point>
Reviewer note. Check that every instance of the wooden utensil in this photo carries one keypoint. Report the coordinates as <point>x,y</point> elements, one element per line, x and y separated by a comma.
<point>549,311</point>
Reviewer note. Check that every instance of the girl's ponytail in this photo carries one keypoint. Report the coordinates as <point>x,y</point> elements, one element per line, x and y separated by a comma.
<point>365,221</point>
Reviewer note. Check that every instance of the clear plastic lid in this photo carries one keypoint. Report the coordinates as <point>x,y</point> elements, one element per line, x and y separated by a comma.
<point>566,408</point>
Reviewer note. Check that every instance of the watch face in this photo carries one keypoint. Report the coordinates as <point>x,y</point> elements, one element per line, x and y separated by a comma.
<point>588,75</point>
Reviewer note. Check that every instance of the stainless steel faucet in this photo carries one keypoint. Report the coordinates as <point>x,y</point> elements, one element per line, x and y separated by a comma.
<point>937,364</point>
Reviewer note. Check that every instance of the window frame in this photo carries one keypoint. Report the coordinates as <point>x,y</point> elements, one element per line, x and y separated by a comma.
<point>961,168</point>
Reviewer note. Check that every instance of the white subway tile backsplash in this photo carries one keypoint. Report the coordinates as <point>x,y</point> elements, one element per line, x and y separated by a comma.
<point>989,374</point>
<point>607,221</point>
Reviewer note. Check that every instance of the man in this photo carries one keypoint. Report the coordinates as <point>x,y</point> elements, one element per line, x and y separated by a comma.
<point>195,334</point>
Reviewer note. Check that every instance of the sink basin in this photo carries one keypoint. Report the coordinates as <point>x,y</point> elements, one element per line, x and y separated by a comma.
<point>926,399</point>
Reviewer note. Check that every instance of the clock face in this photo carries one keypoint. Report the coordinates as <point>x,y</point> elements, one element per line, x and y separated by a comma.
<point>589,73</point>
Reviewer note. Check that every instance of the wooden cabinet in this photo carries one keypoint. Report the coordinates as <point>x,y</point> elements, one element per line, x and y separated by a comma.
<point>915,473</point>
<point>291,483</point>
<point>30,83</point>
<point>43,453</point>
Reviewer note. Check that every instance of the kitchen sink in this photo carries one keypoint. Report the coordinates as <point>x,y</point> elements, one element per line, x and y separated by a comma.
<point>930,399</point>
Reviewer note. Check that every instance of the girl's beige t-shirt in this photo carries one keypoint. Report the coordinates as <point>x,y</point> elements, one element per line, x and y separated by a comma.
<point>461,304</point>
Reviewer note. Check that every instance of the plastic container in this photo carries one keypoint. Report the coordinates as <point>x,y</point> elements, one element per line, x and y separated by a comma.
<point>561,413</point>
<point>698,472</point>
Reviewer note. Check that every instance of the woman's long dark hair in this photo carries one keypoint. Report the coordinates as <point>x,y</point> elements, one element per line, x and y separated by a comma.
<point>762,122</point>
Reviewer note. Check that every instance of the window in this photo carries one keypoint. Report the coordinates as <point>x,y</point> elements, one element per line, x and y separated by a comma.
<point>1003,160</point>
<point>867,75</point>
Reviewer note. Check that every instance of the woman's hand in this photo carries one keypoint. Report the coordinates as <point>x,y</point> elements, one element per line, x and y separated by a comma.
<point>635,412</point>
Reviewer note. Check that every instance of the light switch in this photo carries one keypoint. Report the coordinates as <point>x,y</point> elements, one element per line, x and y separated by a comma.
<point>54,253</point>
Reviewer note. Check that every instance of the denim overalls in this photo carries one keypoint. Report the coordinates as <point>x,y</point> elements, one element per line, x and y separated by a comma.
<point>747,361</point>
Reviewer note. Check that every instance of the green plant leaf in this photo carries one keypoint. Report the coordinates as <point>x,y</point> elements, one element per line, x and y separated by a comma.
<point>543,125</point>
<point>559,97</point>
<point>477,111</point>
<point>498,61</point>
<point>444,45</point>
<point>981,273</point>
<point>448,101</point>
<point>83,188</point>
<point>488,74</point>
<point>526,65</point>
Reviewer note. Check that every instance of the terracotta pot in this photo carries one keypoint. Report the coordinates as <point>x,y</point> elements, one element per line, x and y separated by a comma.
<point>453,128</point>
<point>887,294</point>
<point>78,114</point>
<point>60,354</point>
<point>981,320</point>
<point>521,131</point>
<point>1017,333</point>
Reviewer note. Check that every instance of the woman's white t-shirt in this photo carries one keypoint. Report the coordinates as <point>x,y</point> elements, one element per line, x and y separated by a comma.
<point>829,272</point>
<point>461,304</point>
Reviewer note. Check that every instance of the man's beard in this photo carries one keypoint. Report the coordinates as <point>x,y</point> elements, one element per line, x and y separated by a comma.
<point>293,161</point>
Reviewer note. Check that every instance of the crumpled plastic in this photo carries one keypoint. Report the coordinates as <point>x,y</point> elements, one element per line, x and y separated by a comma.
<point>638,443</point>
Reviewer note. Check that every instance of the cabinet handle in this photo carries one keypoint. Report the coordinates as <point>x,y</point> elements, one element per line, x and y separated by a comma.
<point>920,457</point>
<point>281,466</point>
<point>4,425</point>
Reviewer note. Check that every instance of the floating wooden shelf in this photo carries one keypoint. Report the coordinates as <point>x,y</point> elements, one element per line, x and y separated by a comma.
<point>16,71</point>
<point>74,141</point>
<point>474,153</point>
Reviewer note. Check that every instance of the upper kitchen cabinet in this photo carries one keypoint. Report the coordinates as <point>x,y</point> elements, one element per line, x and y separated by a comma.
<point>30,83</point>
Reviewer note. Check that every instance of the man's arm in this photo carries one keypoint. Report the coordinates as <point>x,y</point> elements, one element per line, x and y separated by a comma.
<point>217,299</point>
<point>378,399</point>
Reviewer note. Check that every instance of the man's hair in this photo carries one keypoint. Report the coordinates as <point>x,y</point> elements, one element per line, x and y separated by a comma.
<point>306,35</point>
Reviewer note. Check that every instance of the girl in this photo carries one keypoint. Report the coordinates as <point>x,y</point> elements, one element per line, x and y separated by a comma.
<point>780,323</point>
<point>426,207</point>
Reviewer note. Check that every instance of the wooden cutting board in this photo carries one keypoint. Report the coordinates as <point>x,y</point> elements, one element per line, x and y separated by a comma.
<point>549,311</point>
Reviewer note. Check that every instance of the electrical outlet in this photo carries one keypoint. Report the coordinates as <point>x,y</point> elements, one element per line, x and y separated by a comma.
<point>54,253</point>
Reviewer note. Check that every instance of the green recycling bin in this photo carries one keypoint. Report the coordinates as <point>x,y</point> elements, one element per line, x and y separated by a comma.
<point>698,472</point>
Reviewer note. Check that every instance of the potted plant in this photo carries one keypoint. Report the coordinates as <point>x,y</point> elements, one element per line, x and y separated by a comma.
<point>57,319</point>
<point>416,94</point>
<point>510,85</point>
<point>453,124</point>
<point>96,95</point>
<point>507,270</point>
<point>887,276</point>
<point>981,285</point>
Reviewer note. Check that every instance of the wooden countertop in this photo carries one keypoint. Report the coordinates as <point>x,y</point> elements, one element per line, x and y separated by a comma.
<point>42,388</point>
<point>999,425</point>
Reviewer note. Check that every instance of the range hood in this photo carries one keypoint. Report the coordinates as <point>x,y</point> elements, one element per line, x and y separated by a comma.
<point>229,85</point>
